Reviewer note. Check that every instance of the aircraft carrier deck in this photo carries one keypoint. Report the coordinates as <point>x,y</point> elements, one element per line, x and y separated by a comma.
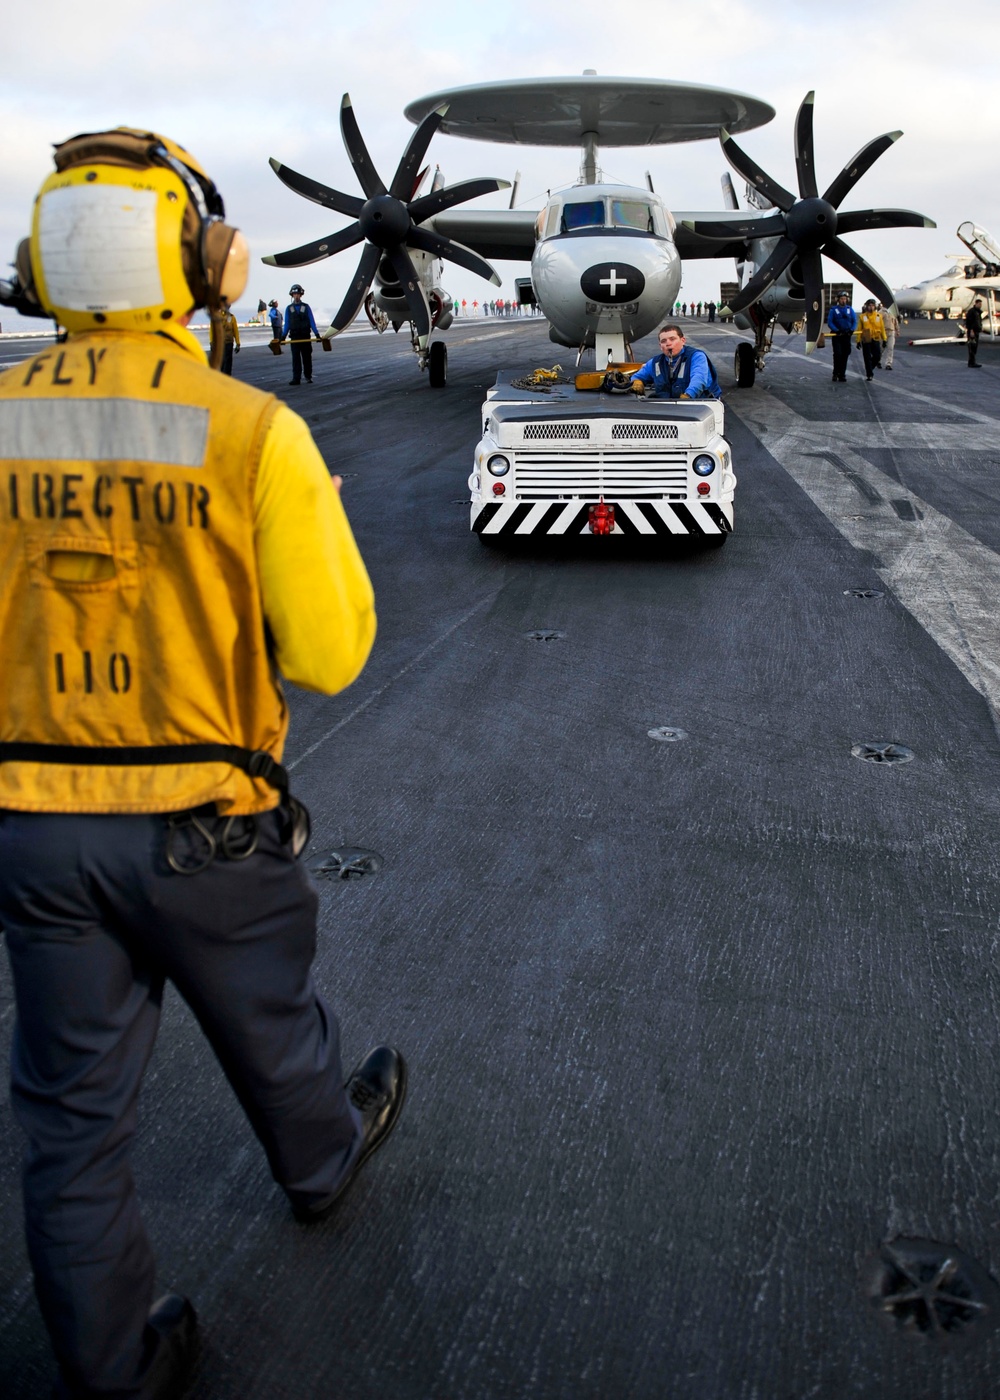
<point>694,1027</point>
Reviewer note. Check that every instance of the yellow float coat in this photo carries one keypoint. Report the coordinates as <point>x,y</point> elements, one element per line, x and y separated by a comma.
<point>169,539</point>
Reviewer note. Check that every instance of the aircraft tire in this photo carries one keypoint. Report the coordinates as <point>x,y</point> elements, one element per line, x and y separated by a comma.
<point>745,365</point>
<point>437,367</point>
<point>713,541</point>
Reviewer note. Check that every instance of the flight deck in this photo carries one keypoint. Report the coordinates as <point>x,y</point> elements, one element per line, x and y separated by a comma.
<point>674,873</point>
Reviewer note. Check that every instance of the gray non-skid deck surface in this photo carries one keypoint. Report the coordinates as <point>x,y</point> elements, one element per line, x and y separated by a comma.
<point>692,1026</point>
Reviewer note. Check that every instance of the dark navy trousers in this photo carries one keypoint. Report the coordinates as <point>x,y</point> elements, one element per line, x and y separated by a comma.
<point>95,921</point>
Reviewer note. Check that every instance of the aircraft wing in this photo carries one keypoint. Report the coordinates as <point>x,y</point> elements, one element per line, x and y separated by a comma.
<point>510,233</point>
<point>492,233</point>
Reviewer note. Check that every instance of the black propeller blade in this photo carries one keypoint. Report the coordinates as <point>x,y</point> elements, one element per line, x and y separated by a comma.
<point>319,249</point>
<point>387,221</point>
<point>767,273</point>
<point>406,171</point>
<point>753,174</point>
<point>319,194</point>
<point>808,226</point>
<point>368,177</point>
<point>351,304</point>
<point>804,168</point>
<point>439,247</point>
<point>448,196</point>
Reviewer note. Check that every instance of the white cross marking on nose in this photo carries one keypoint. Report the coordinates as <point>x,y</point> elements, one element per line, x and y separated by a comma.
<point>614,281</point>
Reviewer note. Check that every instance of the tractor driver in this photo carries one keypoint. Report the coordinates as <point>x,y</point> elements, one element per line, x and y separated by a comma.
<point>679,371</point>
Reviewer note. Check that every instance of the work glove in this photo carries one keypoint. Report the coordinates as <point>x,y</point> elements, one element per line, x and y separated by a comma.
<point>638,387</point>
<point>237,349</point>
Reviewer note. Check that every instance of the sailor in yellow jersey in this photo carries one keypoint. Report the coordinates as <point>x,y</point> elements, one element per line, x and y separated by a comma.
<point>170,541</point>
<point>228,328</point>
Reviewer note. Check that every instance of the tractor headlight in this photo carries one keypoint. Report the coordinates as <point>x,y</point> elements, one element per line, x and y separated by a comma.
<point>497,465</point>
<point>703,464</point>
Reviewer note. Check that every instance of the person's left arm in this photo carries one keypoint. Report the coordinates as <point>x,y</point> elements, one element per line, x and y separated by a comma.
<point>700,377</point>
<point>236,331</point>
<point>312,322</point>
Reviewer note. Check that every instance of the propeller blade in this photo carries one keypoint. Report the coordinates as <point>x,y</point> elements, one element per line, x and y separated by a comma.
<point>805,164</point>
<point>406,170</point>
<point>416,298</point>
<point>767,227</point>
<point>811,263</point>
<point>440,247</point>
<point>728,191</point>
<point>438,200</point>
<point>882,218</point>
<point>853,171</point>
<point>753,174</point>
<point>765,275</point>
<point>348,204</point>
<point>368,176</point>
<point>351,304</point>
<point>319,249</point>
<point>851,262</point>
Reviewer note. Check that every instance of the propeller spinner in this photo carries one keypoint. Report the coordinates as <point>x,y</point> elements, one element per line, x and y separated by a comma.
<point>811,225</point>
<point>386,220</point>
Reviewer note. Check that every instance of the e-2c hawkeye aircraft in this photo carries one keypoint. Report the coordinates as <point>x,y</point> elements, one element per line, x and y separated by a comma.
<point>955,290</point>
<point>605,258</point>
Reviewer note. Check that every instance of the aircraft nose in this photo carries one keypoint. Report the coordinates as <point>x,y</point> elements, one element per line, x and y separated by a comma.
<point>907,299</point>
<point>613,284</point>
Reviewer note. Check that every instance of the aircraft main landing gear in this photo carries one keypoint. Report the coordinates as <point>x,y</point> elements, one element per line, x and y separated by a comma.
<point>437,365</point>
<point>746,364</point>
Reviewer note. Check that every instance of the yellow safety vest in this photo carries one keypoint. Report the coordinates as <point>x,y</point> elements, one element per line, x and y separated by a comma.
<point>130,605</point>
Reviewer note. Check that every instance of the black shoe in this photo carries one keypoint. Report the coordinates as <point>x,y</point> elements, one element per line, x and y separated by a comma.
<point>172,1335</point>
<point>977,366</point>
<point>293,381</point>
<point>889,367</point>
<point>869,378</point>
<point>377,1089</point>
<point>176,1322</point>
<point>308,381</point>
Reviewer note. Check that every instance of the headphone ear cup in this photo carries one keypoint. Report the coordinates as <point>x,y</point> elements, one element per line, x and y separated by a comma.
<point>226,260</point>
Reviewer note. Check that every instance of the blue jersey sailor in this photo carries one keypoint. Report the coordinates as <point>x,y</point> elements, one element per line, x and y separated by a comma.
<point>679,371</point>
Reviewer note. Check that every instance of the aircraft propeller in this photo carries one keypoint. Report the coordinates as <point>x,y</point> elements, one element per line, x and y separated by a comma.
<point>386,220</point>
<point>811,225</point>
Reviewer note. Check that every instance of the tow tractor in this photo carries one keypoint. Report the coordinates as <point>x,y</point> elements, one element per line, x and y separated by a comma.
<point>562,457</point>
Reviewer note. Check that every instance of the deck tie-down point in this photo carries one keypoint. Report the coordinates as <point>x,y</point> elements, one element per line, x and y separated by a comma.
<point>923,1288</point>
<point>667,735</point>
<point>344,862</point>
<point>882,753</point>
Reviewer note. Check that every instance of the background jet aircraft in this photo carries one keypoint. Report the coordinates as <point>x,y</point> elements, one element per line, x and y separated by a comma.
<point>955,290</point>
<point>605,258</point>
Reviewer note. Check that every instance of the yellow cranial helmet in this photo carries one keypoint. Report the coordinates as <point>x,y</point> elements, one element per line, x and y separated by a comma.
<point>128,234</point>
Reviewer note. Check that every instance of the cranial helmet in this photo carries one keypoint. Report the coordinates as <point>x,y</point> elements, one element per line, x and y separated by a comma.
<point>295,288</point>
<point>128,234</point>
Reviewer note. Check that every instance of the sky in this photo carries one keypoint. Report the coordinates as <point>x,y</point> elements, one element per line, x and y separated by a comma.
<point>236,84</point>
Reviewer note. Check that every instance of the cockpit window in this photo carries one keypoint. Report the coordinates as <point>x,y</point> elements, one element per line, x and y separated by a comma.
<point>632,213</point>
<point>589,214</point>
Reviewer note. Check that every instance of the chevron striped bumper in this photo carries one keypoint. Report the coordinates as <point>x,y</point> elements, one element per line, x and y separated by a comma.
<point>520,518</point>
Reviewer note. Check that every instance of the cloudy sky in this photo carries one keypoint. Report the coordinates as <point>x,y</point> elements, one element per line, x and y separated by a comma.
<point>236,83</point>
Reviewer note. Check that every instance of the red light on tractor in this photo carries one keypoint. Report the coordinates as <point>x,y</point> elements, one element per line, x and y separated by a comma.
<point>704,488</point>
<point>498,488</point>
<point>602,518</point>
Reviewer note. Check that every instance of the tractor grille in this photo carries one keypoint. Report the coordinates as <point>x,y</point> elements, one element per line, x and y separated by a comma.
<point>630,432</point>
<point>649,476</point>
<point>536,431</point>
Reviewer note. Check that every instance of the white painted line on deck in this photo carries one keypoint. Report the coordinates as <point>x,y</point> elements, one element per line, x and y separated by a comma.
<point>948,580</point>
